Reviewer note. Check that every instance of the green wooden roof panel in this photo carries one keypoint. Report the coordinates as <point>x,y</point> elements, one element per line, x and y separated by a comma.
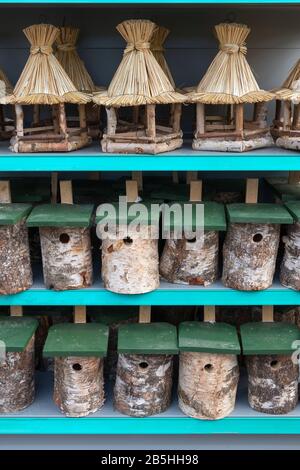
<point>127,213</point>
<point>147,338</point>
<point>15,332</point>
<point>263,213</point>
<point>10,214</point>
<point>61,215</point>
<point>294,208</point>
<point>269,338</point>
<point>77,339</point>
<point>208,337</point>
<point>214,215</point>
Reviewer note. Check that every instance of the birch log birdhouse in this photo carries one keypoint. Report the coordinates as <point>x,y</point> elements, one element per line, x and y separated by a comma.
<point>78,350</point>
<point>7,124</point>
<point>139,84</point>
<point>17,365</point>
<point>290,265</point>
<point>229,82</point>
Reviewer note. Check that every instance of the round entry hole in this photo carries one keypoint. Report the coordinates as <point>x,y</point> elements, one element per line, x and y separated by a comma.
<point>143,365</point>
<point>127,241</point>
<point>64,238</point>
<point>77,367</point>
<point>274,364</point>
<point>208,367</point>
<point>257,237</point>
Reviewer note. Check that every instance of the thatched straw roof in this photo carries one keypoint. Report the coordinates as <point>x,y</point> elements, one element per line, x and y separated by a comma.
<point>290,89</point>
<point>139,78</point>
<point>229,79</point>
<point>6,87</point>
<point>43,80</point>
<point>157,42</point>
<point>68,57</point>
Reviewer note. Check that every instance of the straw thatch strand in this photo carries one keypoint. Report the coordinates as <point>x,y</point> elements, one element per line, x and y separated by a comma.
<point>290,90</point>
<point>158,39</point>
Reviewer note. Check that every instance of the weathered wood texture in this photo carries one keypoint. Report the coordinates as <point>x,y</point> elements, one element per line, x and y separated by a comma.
<point>207,384</point>
<point>272,383</point>
<point>17,380</point>
<point>249,256</point>
<point>67,258</point>
<point>181,263</point>
<point>143,384</point>
<point>130,265</point>
<point>290,265</point>
<point>231,145</point>
<point>15,272</point>
<point>286,142</point>
<point>78,385</point>
<point>110,146</point>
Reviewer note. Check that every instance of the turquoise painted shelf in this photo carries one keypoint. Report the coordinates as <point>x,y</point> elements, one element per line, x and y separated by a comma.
<point>149,2</point>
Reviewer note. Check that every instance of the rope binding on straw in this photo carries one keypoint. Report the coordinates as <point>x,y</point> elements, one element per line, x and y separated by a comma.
<point>47,50</point>
<point>233,48</point>
<point>66,47</point>
<point>137,46</point>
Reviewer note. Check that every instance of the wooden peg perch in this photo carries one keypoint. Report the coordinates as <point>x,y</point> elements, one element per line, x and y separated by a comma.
<point>80,314</point>
<point>196,191</point>
<point>66,193</point>
<point>252,190</point>
<point>5,193</point>
<point>132,190</point>
<point>16,311</point>
<point>210,313</point>
<point>267,313</point>
<point>145,314</point>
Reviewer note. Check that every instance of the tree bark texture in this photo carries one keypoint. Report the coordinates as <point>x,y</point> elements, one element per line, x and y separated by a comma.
<point>249,256</point>
<point>143,384</point>
<point>228,145</point>
<point>288,142</point>
<point>67,257</point>
<point>290,266</point>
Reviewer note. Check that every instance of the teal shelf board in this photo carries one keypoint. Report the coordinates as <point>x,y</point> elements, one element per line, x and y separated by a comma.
<point>184,159</point>
<point>167,294</point>
<point>147,2</point>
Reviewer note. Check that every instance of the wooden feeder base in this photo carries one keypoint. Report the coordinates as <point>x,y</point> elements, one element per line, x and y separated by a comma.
<point>143,384</point>
<point>15,272</point>
<point>67,257</point>
<point>49,143</point>
<point>290,266</point>
<point>181,265</point>
<point>233,144</point>
<point>291,142</point>
<point>272,383</point>
<point>119,143</point>
<point>78,385</point>
<point>17,380</point>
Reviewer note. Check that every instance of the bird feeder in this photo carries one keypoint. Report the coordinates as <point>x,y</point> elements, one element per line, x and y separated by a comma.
<point>130,262</point>
<point>17,387</point>
<point>251,243</point>
<point>286,125</point>
<point>193,261</point>
<point>143,384</point>
<point>65,241</point>
<point>7,124</point>
<point>67,55</point>
<point>272,369</point>
<point>208,367</point>
<point>15,272</point>
<point>78,350</point>
<point>290,266</point>
<point>230,83</point>
<point>44,82</point>
<point>139,84</point>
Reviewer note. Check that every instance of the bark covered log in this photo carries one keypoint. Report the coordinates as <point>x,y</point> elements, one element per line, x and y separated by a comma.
<point>67,258</point>
<point>207,384</point>
<point>198,266</point>
<point>286,142</point>
<point>143,384</point>
<point>249,256</point>
<point>227,145</point>
<point>15,272</point>
<point>17,380</point>
<point>272,383</point>
<point>78,385</point>
<point>290,266</point>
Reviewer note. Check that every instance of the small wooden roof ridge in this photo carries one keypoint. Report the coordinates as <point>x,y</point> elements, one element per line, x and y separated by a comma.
<point>229,78</point>
<point>44,80</point>
<point>6,87</point>
<point>290,89</point>
<point>157,47</point>
<point>139,79</point>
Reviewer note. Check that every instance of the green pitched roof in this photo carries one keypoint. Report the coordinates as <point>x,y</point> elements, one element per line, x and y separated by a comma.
<point>263,213</point>
<point>214,215</point>
<point>208,337</point>
<point>61,215</point>
<point>294,209</point>
<point>15,332</point>
<point>147,338</point>
<point>114,213</point>
<point>269,338</point>
<point>12,213</point>
<point>77,339</point>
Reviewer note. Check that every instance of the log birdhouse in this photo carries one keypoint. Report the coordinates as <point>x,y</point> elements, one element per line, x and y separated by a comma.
<point>144,372</point>
<point>15,272</point>
<point>139,84</point>
<point>17,387</point>
<point>230,84</point>
<point>44,82</point>
<point>68,57</point>
<point>286,125</point>
<point>290,265</point>
<point>65,243</point>
<point>208,369</point>
<point>7,125</point>
<point>272,372</point>
<point>78,351</point>
<point>251,244</point>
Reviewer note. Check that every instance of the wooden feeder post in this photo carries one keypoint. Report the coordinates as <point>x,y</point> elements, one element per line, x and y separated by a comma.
<point>194,261</point>
<point>208,367</point>
<point>252,239</point>
<point>7,125</point>
<point>65,241</point>
<point>15,272</point>
<point>17,388</point>
<point>290,265</point>
<point>272,370</point>
<point>78,349</point>
<point>130,262</point>
<point>143,384</point>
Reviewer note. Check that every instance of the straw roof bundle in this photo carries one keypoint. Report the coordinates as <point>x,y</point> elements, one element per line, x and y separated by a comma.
<point>290,89</point>
<point>139,78</point>
<point>158,39</point>
<point>68,57</point>
<point>43,80</point>
<point>229,78</point>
